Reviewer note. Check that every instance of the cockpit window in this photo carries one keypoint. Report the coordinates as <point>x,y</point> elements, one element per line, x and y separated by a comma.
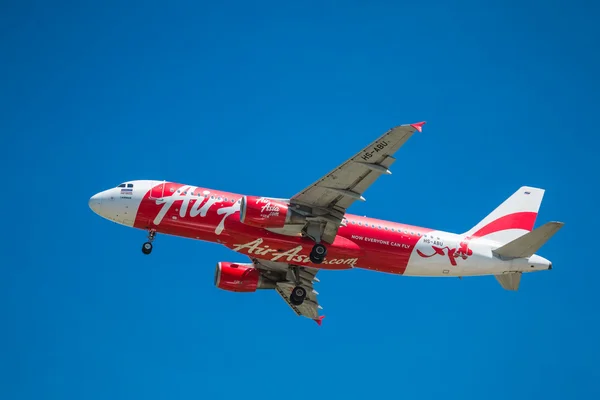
<point>121,185</point>
<point>130,185</point>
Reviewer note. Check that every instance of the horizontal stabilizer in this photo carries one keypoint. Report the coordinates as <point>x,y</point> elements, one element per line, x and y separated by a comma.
<point>509,281</point>
<point>527,245</point>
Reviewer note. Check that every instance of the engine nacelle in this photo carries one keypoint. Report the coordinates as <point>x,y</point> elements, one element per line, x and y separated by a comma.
<point>238,277</point>
<point>263,212</point>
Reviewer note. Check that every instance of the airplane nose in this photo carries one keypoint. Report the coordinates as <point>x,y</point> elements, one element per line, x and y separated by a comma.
<point>95,202</point>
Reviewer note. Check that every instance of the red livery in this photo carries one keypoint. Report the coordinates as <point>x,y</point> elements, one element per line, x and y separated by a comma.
<point>288,241</point>
<point>263,212</point>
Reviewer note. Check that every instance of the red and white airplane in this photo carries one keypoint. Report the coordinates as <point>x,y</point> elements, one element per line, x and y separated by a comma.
<point>289,240</point>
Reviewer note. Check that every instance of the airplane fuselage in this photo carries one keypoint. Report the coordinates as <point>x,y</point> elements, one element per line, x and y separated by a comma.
<point>214,216</point>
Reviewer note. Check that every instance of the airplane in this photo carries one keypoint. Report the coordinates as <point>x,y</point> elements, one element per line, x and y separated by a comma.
<point>289,240</point>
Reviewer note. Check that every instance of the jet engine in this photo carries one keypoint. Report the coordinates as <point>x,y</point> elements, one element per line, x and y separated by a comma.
<point>237,277</point>
<point>264,212</point>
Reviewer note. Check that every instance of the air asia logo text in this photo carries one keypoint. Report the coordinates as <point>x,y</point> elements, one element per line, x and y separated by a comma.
<point>462,250</point>
<point>201,204</point>
<point>268,209</point>
<point>291,256</point>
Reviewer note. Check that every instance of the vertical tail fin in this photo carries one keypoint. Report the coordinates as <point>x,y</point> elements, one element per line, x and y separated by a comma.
<point>511,219</point>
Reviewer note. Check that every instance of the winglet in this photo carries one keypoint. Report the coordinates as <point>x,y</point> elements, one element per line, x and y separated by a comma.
<point>319,320</point>
<point>418,126</point>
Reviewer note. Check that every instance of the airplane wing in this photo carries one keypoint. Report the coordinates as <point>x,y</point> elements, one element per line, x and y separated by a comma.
<point>327,199</point>
<point>284,274</point>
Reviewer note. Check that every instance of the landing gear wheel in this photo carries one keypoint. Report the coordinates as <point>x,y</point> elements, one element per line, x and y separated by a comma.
<point>314,259</point>
<point>318,253</point>
<point>298,295</point>
<point>147,248</point>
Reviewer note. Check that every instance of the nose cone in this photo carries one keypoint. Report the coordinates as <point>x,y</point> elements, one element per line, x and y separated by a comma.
<point>95,203</point>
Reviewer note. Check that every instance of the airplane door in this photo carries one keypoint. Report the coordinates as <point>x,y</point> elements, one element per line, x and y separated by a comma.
<point>157,190</point>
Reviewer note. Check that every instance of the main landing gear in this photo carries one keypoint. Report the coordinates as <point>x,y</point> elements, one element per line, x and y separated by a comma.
<point>314,231</point>
<point>147,247</point>
<point>318,253</point>
<point>298,293</point>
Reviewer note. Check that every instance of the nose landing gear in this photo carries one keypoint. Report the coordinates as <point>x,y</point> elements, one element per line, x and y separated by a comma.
<point>147,247</point>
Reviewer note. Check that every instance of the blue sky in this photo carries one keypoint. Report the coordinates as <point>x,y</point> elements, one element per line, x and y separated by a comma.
<point>265,98</point>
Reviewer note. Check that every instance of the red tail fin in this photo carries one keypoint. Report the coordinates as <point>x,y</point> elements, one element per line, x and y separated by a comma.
<point>511,219</point>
